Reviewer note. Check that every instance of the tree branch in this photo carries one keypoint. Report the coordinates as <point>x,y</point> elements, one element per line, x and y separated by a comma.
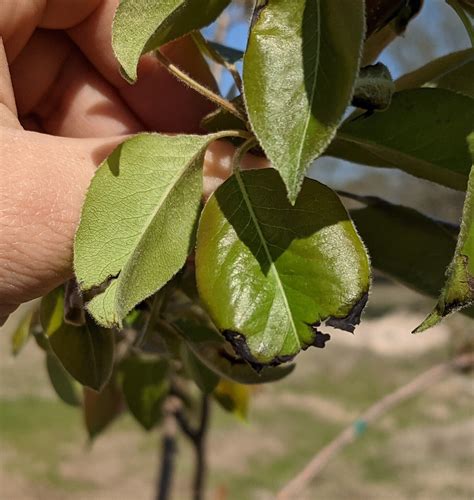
<point>168,451</point>
<point>294,487</point>
<point>197,437</point>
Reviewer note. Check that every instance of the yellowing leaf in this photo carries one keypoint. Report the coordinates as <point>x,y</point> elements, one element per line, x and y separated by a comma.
<point>269,272</point>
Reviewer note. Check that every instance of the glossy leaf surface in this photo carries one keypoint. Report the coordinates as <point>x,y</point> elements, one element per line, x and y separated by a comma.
<point>215,354</point>
<point>144,25</point>
<point>267,270</point>
<point>86,352</point>
<point>138,221</point>
<point>300,66</point>
<point>459,289</point>
<point>423,132</point>
<point>145,386</point>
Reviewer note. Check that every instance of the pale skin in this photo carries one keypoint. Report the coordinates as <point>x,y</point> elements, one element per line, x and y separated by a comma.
<point>63,108</point>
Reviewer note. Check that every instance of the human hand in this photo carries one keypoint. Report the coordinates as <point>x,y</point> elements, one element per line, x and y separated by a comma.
<point>63,108</point>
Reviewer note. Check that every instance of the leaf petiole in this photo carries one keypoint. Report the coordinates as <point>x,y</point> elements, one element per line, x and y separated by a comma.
<point>241,151</point>
<point>201,89</point>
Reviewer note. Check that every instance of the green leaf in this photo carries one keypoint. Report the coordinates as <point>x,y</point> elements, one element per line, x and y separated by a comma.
<point>465,10</point>
<point>22,332</point>
<point>374,88</point>
<point>233,397</point>
<point>423,132</point>
<point>459,80</point>
<point>436,71</point>
<point>144,25</point>
<point>101,408</point>
<point>300,66</point>
<point>269,273</point>
<point>138,221</point>
<point>145,385</point>
<point>86,352</point>
<point>412,248</point>
<point>204,378</point>
<point>458,292</point>
<point>63,384</point>
<point>214,354</point>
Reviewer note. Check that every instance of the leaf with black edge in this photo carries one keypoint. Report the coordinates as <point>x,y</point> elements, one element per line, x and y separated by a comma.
<point>141,26</point>
<point>423,133</point>
<point>458,291</point>
<point>86,352</point>
<point>412,248</point>
<point>299,71</point>
<point>145,385</point>
<point>270,272</point>
<point>138,221</point>
<point>217,355</point>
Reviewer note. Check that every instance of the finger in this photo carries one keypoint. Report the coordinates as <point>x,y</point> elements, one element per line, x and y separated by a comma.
<point>56,84</point>
<point>44,180</point>
<point>160,101</point>
<point>61,14</point>
<point>19,18</point>
<point>218,164</point>
<point>7,97</point>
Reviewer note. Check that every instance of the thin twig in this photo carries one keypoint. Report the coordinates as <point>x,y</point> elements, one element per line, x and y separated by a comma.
<point>294,487</point>
<point>200,450</point>
<point>155,305</point>
<point>240,152</point>
<point>197,437</point>
<point>208,93</point>
<point>217,58</point>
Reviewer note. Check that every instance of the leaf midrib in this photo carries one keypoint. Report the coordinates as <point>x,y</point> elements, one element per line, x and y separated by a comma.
<point>375,147</point>
<point>313,87</point>
<point>172,185</point>
<point>253,216</point>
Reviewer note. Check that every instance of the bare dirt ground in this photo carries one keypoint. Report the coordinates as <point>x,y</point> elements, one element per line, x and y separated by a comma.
<point>424,450</point>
